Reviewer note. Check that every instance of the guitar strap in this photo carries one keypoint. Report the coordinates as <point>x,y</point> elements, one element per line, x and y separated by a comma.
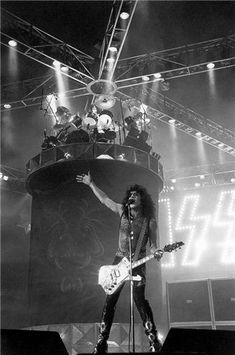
<point>140,240</point>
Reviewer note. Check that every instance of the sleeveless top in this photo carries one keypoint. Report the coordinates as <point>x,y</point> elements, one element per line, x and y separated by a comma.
<point>124,234</point>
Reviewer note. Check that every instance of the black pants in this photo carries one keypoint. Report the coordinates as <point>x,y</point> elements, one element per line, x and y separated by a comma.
<point>141,303</point>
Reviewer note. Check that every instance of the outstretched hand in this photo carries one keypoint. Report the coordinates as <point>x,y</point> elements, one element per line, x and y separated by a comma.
<point>84,178</point>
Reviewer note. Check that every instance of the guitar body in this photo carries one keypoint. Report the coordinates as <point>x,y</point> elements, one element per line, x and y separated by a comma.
<point>111,277</point>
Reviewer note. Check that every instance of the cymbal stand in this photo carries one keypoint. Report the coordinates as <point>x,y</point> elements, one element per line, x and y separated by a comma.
<point>123,121</point>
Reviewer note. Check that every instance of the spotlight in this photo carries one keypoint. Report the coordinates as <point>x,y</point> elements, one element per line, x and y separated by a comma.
<point>221,145</point>
<point>12,43</point>
<point>210,65</point>
<point>111,60</point>
<point>56,63</point>
<point>172,121</point>
<point>64,69</point>
<point>157,75</point>
<point>173,181</point>
<point>198,134</point>
<point>124,15</point>
<point>197,184</point>
<point>7,106</point>
<point>145,78</point>
<point>113,49</point>
<point>5,177</point>
<point>232,180</point>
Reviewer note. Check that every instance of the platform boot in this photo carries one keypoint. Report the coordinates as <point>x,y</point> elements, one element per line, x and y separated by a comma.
<point>102,345</point>
<point>152,334</point>
<point>104,330</point>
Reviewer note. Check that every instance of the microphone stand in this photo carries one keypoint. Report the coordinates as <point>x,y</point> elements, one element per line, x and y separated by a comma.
<point>131,282</point>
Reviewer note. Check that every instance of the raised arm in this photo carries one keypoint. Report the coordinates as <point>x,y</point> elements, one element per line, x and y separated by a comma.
<point>101,195</point>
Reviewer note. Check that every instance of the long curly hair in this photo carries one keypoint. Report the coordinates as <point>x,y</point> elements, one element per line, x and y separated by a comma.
<point>147,204</point>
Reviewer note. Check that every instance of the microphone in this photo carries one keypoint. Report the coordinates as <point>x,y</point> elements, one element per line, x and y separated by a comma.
<point>130,201</point>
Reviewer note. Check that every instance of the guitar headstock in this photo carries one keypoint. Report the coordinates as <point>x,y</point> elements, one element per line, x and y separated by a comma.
<point>170,247</point>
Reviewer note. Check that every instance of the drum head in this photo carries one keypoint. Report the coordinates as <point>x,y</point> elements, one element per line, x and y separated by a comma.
<point>89,121</point>
<point>105,119</point>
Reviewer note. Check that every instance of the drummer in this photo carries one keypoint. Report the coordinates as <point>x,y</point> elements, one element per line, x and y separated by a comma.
<point>64,124</point>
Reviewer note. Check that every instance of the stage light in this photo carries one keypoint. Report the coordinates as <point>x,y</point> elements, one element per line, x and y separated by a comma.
<point>111,60</point>
<point>221,145</point>
<point>64,69</point>
<point>232,180</point>
<point>197,184</point>
<point>113,49</point>
<point>124,15</point>
<point>7,106</point>
<point>157,75</point>
<point>12,43</point>
<point>210,65</point>
<point>202,177</point>
<point>172,121</point>
<point>145,78</point>
<point>5,177</point>
<point>198,134</point>
<point>173,181</point>
<point>56,63</point>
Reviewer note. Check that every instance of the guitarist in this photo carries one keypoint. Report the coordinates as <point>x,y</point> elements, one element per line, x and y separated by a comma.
<point>137,211</point>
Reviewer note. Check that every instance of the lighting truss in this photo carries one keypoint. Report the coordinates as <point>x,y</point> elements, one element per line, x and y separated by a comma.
<point>175,73</point>
<point>115,35</point>
<point>44,48</point>
<point>37,101</point>
<point>161,108</point>
<point>199,177</point>
<point>10,91</point>
<point>187,59</point>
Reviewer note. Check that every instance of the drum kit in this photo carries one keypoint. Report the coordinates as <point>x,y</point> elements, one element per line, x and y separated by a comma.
<point>93,127</point>
<point>98,125</point>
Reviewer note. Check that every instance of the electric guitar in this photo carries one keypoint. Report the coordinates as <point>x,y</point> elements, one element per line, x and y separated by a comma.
<point>111,277</point>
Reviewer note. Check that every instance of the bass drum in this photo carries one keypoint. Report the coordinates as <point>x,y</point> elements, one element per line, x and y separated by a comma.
<point>79,136</point>
<point>104,120</point>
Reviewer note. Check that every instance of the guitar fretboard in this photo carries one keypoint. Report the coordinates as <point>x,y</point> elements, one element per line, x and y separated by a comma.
<point>142,261</point>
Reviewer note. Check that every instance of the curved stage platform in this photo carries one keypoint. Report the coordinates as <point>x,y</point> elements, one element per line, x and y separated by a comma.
<point>118,166</point>
<point>73,234</point>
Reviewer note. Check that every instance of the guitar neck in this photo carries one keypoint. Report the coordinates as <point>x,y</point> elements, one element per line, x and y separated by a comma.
<point>142,261</point>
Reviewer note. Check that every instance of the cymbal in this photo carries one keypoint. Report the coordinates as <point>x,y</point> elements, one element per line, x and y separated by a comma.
<point>61,110</point>
<point>105,102</point>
